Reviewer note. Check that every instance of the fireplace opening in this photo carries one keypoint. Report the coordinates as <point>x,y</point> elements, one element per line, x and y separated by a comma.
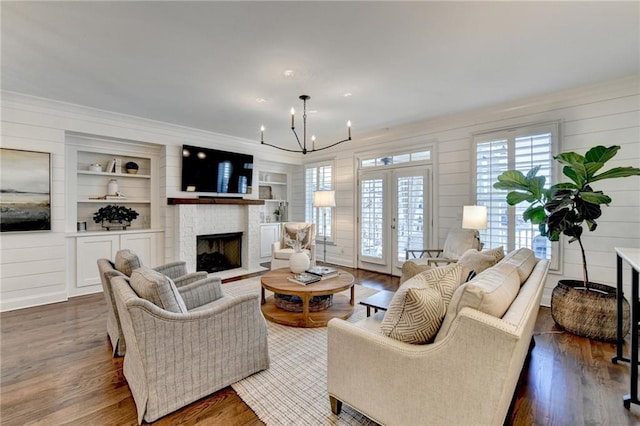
<point>219,252</point>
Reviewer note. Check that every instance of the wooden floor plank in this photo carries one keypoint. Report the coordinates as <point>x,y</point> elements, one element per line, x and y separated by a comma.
<point>57,368</point>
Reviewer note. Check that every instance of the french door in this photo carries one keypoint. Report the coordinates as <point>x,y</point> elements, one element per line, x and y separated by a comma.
<point>394,215</point>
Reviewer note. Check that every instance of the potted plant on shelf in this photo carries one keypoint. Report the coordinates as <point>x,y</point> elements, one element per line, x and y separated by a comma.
<point>112,216</point>
<point>582,307</point>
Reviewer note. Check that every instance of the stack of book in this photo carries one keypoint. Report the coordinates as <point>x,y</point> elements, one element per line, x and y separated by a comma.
<point>305,278</point>
<point>323,272</point>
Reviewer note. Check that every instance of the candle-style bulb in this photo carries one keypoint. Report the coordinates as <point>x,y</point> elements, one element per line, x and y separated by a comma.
<point>293,114</point>
<point>349,128</point>
<point>261,133</point>
<point>313,142</point>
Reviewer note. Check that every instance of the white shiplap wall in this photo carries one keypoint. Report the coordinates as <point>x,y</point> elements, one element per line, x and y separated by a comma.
<point>603,114</point>
<point>34,266</point>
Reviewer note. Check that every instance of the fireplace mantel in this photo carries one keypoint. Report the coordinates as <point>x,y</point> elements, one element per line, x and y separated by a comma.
<point>221,200</point>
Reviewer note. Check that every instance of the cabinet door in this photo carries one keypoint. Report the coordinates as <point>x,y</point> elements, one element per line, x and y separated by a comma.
<point>269,234</point>
<point>89,250</point>
<point>145,245</point>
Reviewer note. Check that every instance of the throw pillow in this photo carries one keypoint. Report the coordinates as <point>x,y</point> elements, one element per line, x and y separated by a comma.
<point>292,229</point>
<point>413,267</point>
<point>491,292</point>
<point>127,261</point>
<point>157,289</point>
<point>477,261</point>
<point>418,307</point>
<point>497,253</point>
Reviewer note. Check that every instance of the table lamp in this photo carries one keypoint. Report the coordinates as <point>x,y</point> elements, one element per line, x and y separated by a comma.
<point>475,217</point>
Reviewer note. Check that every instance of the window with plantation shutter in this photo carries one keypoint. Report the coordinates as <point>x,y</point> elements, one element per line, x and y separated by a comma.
<point>514,149</point>
<point>319,177</point>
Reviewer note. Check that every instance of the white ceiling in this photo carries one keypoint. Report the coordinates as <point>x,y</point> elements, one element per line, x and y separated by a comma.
<point>203,64</point>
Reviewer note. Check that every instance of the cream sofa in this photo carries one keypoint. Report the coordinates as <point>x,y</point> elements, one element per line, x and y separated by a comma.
<point>468,375</point>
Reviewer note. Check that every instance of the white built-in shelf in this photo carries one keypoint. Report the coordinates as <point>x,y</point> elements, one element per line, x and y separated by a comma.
<point>127,175</point>
<point>270,182</point>
<point>117,201</point>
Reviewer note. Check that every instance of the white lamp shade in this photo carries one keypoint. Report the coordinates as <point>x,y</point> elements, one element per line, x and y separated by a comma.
<point>474,217</point>
<point>324,199</point>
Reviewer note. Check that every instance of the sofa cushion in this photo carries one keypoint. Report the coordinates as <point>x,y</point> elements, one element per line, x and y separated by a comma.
<point>418,307</point>
<point>157,289</point>
<point>127,261</point>
<point>491,292</point>
<point>477,261</point>
<point>413,267</point>
<point>292,229</point>
<point>524,260</point>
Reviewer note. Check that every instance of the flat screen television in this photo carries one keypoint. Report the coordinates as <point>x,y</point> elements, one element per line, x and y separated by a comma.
<point>215,171</point>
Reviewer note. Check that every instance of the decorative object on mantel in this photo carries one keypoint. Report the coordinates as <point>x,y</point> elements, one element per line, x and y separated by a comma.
<point>298,261</point>
<point>95,167</point>
<point>303,145</point>
<point>131,167</point>
<point>116,217</point>
<point>582,307</point>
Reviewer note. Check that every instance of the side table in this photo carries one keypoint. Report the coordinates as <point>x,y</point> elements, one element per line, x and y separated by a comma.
<point>632,257</point>
<point>380,300</point>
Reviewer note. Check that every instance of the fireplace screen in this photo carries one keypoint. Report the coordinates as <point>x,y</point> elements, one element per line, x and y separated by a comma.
<point>219,252</point>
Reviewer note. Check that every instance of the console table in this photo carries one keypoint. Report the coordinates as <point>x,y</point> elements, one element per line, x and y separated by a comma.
<point>632,257</point>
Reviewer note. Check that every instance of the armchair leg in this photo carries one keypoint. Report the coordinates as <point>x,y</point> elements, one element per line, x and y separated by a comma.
<point>336,405</point>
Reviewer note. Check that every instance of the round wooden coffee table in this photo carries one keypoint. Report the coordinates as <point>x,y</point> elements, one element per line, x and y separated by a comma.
<point>278,282</point>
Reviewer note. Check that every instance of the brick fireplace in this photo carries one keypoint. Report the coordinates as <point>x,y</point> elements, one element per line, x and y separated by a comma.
<point>219,252</point>
<point>193,218</point>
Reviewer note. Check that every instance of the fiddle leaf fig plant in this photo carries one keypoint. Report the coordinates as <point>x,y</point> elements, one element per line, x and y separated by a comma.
<point>564,207</point>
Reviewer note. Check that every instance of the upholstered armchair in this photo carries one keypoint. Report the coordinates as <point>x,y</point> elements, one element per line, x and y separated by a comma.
<point>281,252</point>
<point>184,343</point>
<point>125,262</point>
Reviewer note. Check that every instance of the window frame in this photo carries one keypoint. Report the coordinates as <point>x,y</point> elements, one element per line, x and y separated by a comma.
<point>315,211</point>
<point>510,134</point>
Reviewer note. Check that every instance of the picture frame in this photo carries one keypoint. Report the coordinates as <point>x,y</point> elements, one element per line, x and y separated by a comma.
<point>264,192</point>
<point>25,190</point>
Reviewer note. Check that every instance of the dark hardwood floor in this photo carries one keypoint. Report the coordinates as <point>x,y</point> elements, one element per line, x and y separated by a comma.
<point>57,369</point>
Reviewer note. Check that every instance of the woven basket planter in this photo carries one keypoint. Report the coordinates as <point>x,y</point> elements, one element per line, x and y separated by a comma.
<point>591,314</point>
<point>294,303</point>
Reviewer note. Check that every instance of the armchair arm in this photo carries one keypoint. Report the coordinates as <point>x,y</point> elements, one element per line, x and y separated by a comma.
<point>201,292</point>
<point>275,246</point>
<point>190,278</point>
<point>173,270</point>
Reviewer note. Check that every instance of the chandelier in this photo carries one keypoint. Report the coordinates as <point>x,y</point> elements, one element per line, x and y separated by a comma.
<point>303,145</point>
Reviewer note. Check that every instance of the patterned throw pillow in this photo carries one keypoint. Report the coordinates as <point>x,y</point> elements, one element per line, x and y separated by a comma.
<point>497,253</point>
<point>477,261</point>
<point>292,229</point>
<point>418,307</point>
<point>413,267</point>
<point>127,261</point>
<point>157,289</point>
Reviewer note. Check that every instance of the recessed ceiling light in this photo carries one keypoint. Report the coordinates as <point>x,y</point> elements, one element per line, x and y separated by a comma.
<point>288,73</point>
<point>261,100</point>
<point>346,95</point>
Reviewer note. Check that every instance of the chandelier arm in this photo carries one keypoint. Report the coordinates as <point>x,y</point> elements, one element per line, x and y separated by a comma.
<point>280,148</point>
<point>329,146</point>
<point>298,139</point>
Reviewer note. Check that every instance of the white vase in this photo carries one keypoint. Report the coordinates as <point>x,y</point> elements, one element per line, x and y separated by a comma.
<point>299,262</point>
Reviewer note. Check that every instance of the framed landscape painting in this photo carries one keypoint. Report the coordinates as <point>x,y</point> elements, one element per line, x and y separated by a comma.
<point>25,190</point>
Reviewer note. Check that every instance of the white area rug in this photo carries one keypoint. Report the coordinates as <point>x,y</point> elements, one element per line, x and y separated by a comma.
<point>293,391</point>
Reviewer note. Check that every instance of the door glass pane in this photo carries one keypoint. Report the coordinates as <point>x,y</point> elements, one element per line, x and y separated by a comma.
<point>371,217</point>
<point>410,215</point>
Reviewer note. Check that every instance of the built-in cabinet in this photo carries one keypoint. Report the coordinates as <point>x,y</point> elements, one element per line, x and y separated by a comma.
<point>97,176</point>
<point>269,234</point>
<point>99,245</point>
<point>274,190</point>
